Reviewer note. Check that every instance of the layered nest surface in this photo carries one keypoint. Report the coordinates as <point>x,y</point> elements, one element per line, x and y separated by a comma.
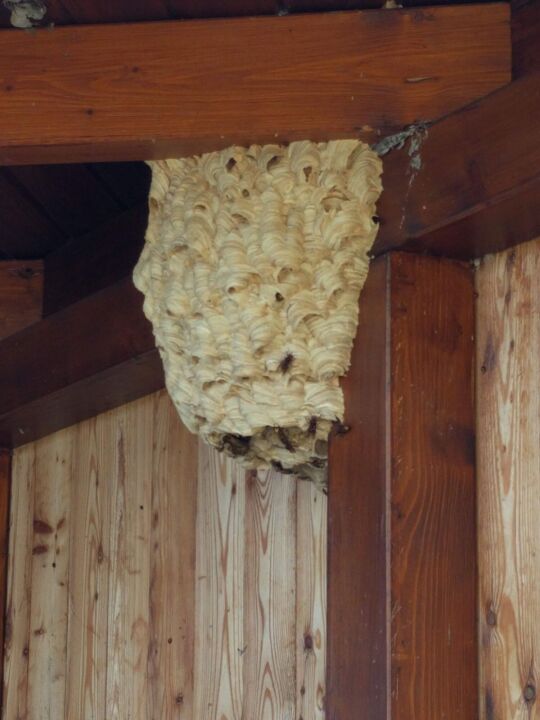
<point>252,270</point>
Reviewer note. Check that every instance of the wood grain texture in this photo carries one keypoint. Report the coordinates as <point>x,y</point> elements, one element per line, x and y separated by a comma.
<point>358,605</point>
<point>172,566</point>
<point>174,587</point>
<point>49,580</point>
<point>129,571</point>
<point>90,357</point>
<point>90,530</point>
<point>5,489</point>
<point>255,611</point>
<point>402,538</point>
<point>311,543</point>
<point>177,89</point>
<point>21,295</point>
<point>220,586</point>
<point>477,186</point>
<point>270,600</point>
<point>19,594</point>
<point>508,417</point>
<point>433,490</point>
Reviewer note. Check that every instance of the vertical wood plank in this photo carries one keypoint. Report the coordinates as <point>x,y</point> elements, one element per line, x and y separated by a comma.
<point>89,573</point>
<point>508,424</point>
<point>402,534</point>
<point>220,575</point>
<point>49,580</point>
<point>15,695</point>
<point>152,580</point>
<point>172,565</point>
<point>433,490</point>
<point>5,485</point>
<point>310,602</point>
<point>129,578</point>
<point>358,604</point>
<point>270,597</point>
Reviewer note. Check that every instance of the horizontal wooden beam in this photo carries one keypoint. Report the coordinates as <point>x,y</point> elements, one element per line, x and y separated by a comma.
<point>119,92</point>
<point>472,185</point>
<point>92,356</point>
<point>402,636</point>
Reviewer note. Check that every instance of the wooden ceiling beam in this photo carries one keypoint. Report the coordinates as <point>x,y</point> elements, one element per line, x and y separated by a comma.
<point>150,90</point>
<point>471,184</point>
<point>90,357</point>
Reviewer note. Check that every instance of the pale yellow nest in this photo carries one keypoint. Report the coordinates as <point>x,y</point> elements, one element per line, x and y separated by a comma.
<point>252,270</point>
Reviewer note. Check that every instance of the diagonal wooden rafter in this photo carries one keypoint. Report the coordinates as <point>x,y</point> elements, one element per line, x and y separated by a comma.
<point>473,185</point>
<point>77,94</point>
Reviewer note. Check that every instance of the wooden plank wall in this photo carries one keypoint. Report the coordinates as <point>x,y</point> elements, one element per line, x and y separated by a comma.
<point>508,454</point>
<point>151,578</point>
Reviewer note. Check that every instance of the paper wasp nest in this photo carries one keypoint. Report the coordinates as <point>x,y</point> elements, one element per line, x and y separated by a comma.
<point>252,270</point>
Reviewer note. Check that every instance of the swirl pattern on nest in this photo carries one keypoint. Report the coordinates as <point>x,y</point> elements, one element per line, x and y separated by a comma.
<point>252,270</point>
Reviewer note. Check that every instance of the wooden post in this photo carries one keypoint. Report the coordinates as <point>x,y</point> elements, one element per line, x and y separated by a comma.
<point>402,535</point>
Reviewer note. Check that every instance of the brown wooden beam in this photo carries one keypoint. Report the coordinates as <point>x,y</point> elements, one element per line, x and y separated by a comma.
<point>92,356</point>
<point>476,187</point>
<point>21,290</point>
<point>402,537</point>
<point>150,90</point>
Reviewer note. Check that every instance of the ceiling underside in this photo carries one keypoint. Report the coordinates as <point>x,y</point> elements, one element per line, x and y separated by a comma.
<point>44,206</point>
<point>75,12</point>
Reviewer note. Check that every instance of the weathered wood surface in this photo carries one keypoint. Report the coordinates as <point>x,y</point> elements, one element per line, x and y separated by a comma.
<point>92,356</point>
<point>18,602</point>
<point>311,542</point>
<point>402,538</point>
<point>476,186</point>
<point>220,585</point>
<point>150,578</point>
<point>177,89</point>
<point>5,489</point>
<point>21,290</point>
<point>49,580</point>
<point>508,425</point>
<point>270,598</point>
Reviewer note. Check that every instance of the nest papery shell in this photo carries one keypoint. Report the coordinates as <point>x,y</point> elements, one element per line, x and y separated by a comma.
<point>252,270</point>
